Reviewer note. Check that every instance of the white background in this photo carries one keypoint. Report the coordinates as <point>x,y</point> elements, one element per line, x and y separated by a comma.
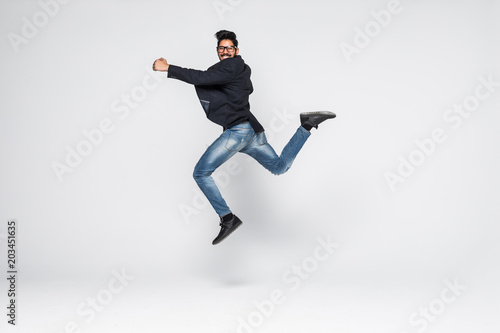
<point>131,204</point>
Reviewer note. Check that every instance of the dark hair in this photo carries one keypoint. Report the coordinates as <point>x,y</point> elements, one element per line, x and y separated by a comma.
<point>224,34</point>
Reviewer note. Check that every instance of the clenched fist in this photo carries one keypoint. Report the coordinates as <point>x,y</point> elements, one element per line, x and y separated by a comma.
<point>160,65</point>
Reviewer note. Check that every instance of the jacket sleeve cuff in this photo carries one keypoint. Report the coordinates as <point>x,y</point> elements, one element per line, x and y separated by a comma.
<point>171,71</point>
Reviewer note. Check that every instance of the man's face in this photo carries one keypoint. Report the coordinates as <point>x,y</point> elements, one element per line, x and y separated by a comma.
<point>226,49</point>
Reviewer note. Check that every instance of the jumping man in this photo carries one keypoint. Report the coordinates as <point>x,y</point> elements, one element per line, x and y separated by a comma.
<point>223,91</point>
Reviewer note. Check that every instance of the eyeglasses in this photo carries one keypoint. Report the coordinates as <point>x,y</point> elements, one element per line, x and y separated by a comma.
<point>228,48</point>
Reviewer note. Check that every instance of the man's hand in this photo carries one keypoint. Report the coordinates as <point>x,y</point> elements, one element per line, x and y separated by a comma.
<point>160,65</point>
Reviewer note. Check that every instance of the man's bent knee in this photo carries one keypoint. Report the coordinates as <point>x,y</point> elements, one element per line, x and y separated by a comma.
<point>200,174</point>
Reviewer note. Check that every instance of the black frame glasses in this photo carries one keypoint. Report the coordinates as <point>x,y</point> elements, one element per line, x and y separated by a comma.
<point>228,48</point>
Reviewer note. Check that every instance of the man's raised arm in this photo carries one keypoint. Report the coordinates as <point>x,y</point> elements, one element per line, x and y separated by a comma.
<point>222,73</point>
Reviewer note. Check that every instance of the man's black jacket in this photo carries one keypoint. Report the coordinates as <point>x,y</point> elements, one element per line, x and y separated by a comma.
<point>223,90</point>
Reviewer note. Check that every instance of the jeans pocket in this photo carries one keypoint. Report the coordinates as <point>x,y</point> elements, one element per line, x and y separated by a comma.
<point>261,139</point>
<point>237,141</point>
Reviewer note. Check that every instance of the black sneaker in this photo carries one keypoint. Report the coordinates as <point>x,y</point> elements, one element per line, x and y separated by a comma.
<point>227,227</point>
<point>313,119</point>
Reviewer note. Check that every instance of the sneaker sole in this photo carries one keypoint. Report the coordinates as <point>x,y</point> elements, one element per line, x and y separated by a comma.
<point>317,113</point>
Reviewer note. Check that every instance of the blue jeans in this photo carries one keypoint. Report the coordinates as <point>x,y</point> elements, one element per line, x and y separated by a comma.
<point>242,138</point>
